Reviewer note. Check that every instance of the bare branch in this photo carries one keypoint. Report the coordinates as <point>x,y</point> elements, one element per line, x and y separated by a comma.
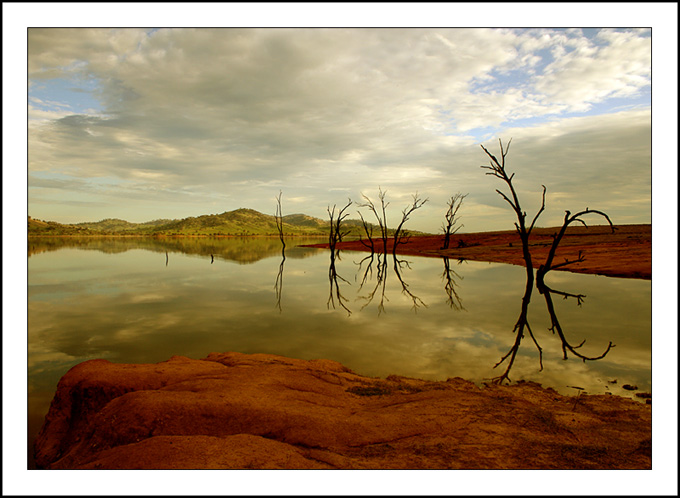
<point>399,236</point>
<point>451,218</point>
<point>380,217</point>
<point>279,220</point>
<point>568,220</point>
<point>539,211</point>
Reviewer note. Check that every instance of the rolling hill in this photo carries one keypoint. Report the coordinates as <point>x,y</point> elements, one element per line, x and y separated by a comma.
<point>243,222</point>
<point>240,222</point>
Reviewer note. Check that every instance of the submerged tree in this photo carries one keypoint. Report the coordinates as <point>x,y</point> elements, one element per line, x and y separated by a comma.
<point>278,285</point>
<point>368,230</point>
<point>279,222</point>
<point>336,234</point>
<point>450,226</point>
<point>379,214</point>
<point>400,235</point>
<point>497,169</point>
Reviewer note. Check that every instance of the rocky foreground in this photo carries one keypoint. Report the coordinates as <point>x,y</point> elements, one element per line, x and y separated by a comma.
<point>238,411</point>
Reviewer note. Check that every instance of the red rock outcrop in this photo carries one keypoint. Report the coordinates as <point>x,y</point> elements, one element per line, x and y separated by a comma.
<point>237,411</point>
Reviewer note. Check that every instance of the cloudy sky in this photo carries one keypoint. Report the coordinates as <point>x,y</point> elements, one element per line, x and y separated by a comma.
<point>141,124</point>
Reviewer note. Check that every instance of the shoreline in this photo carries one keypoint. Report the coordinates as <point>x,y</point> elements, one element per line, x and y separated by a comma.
<point>626,253</point>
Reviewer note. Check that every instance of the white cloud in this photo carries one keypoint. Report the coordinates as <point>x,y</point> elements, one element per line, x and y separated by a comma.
<point>240,113</point>
<point>590,73</point>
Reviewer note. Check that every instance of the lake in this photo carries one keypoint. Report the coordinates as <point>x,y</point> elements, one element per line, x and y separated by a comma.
<point>143,300</point>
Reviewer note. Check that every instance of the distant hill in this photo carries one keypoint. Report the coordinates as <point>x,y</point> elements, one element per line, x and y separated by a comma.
<point>40,227</point>
<point>116,225</point>
<point>109,224</point>
<point>243,222</point>
<point>240,222</point>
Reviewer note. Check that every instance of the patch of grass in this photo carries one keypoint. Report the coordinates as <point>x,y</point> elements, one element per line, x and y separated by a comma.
<point>369,390</point>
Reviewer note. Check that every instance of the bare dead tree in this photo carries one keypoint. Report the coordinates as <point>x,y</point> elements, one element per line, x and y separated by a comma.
<point>368,230</point>
<point>379,214</point>
<point>497,168</point>
<point>568,220</point>
<point>450,225</point>
<point>336,234</point>
<point>278,285</point>
<point>279,222</point>
<point>401,236</point>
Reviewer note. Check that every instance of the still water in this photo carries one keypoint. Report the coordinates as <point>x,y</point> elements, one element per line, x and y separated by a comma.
<point>145,300</point>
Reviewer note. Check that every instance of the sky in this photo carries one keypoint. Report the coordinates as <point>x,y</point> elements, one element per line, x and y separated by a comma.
<point>142,124</point>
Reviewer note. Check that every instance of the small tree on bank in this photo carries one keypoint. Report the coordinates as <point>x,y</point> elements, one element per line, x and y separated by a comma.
<point>450,225</point>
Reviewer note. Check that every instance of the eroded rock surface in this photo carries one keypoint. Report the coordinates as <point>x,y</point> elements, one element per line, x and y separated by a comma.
<point>238,411</point>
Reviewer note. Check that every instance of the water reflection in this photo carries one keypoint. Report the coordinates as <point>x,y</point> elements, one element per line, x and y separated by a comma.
<point>520,329</point>
<point>450,278</point>
<point>91,300</point>
<point>555,324</point>
<point>243,250</point>
<point>399,265</point>
<point>278,285</point>
<point>522,326</point>
<point>380,281</point>
<point>335,292</point>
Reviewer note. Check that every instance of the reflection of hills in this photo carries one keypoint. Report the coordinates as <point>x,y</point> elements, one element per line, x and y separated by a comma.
<point>240,249</point>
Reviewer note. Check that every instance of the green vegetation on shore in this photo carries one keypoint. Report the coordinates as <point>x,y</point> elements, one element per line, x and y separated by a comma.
<point>240,222</point>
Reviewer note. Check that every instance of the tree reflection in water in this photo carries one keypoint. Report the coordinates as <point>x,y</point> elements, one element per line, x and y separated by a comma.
<point>335,292</point>
<point>278,285</point>
<point>555,327</point>
<point>449,276</point>
<point>380,282</point>
<point>555,324</point>
<point>398,265</point>
<point>375,264</point>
